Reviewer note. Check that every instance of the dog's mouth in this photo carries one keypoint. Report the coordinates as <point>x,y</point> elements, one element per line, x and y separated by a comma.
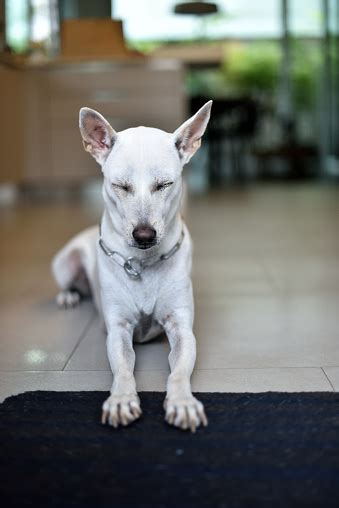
<point>145,246</point>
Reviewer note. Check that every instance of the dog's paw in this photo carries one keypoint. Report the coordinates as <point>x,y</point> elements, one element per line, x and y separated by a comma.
<point>67,299</point>
<point>121,409</point>
<point>186,413</point>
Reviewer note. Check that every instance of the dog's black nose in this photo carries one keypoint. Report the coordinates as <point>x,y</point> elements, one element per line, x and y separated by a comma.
<point>144,236</point>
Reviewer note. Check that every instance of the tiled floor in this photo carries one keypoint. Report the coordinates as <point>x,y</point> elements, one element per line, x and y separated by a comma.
<point>266,279</point>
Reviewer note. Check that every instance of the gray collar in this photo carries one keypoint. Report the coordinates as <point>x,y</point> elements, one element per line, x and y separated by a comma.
<point>134,266</point>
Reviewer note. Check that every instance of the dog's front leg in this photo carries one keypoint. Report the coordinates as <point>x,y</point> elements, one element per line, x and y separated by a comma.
<point>182,409</point>
<point>123,405</point>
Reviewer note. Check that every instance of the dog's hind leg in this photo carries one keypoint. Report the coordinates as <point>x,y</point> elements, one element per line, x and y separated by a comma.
<point>74,268</point>
<point>70,277</point>
<point>67,299</point>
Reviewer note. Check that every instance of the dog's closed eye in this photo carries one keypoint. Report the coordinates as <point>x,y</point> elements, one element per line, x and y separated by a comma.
<point>161,186</point>
<point>122,187</point>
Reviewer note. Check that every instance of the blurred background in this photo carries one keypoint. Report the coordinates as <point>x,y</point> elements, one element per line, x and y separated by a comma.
<point>271,66</point>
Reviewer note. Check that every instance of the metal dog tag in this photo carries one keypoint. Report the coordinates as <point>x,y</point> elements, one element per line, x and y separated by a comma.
<point>133,267</point>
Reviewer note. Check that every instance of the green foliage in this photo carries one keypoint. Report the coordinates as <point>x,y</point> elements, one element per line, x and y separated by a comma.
<point>306,62</point>
<point>253,67</point>
<point>207,83</point>
<point>145,47</point>
<point>256,68</point>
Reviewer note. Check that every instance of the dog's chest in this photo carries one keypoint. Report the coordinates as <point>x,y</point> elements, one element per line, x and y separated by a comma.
<point>146,329</point>
<point>145,297</point>
<point>145,292</point>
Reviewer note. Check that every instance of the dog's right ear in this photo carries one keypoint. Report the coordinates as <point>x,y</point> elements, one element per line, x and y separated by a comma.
<point>98,136</point>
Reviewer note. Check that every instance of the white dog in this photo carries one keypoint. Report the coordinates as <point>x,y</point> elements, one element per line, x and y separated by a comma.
<point>138,266</point>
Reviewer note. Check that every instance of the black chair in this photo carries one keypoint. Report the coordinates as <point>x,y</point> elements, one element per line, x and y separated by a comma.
<point>232,126</point>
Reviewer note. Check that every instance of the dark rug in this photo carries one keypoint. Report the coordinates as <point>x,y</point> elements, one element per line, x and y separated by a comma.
<point>266,449</point>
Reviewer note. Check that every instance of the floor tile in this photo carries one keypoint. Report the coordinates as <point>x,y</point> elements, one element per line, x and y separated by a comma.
<point>35,334</point>
<point>333,375</point>
<point>229,276</point>
<point>304,272</point>
<point>223,380</point>
<point>91,353</point>
<point>12,383</point>
<point>260,380</point>
<point>267,332</point>
<point>241,333</point>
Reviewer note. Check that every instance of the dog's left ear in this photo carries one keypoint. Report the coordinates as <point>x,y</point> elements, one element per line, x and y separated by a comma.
<point>188,136</point>
<point>98,136</point>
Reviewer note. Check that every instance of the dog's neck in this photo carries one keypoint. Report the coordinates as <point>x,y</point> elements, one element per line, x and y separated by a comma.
<point>115,240</point>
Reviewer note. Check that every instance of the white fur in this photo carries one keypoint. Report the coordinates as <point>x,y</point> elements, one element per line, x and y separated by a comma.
<point>161,300</point>
<point>67,299</point>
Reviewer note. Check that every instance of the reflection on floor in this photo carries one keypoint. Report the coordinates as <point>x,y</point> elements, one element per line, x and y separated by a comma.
<point>266,279</point>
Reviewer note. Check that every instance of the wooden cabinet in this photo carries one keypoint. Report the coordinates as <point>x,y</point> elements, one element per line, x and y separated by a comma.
<point>42,141</point>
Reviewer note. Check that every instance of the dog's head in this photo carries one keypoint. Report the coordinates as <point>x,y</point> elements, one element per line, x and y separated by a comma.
<point>142,170</point>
